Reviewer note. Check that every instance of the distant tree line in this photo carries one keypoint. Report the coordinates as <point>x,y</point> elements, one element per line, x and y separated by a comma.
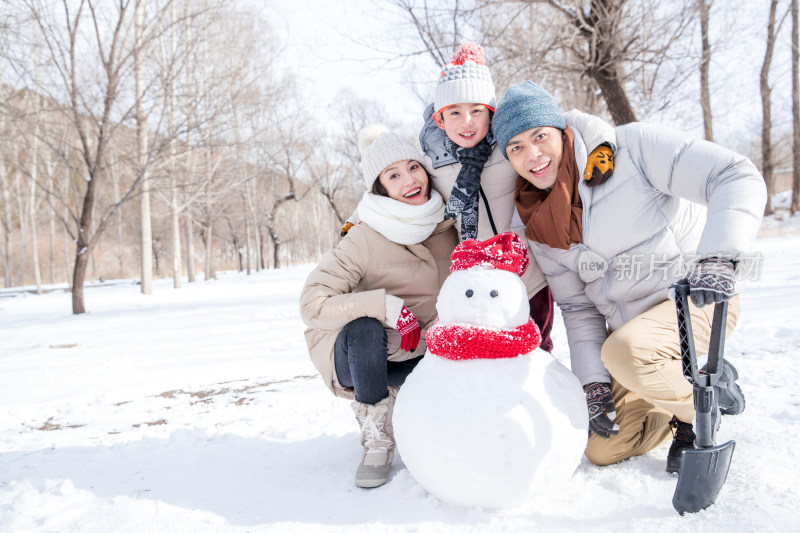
<point>158,136</point>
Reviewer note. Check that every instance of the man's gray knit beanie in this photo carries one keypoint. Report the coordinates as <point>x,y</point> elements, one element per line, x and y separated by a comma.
<point>524,106</point>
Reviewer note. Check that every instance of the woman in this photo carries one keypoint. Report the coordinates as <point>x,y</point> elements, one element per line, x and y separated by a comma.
<point>369,302</point>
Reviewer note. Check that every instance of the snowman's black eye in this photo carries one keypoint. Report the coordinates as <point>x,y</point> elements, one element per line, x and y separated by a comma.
<point>469,293</point>
<point>494,294</point>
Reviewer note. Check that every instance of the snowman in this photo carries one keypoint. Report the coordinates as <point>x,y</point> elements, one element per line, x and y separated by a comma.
<point>487,418</point>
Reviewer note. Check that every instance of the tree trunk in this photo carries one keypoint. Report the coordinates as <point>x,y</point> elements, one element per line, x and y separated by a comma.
<point>37,273</point>
<point>78,278</point>
<point>246,230</point>
<point>146,243</point>
<point>237,249</point>
<point>705,94</point>
<point>120,221</point>
<point>795,111</point>
<point>23,229</point>
<point>276,244</point>
<point>175,233</point>
<point>615,96</point>
<point>175,243</point>
<point>766,109</point>
<point>67,241</point>
<point>82,247</point>
<point>209,270</point>
<point>7,243</point>
<point>51,190</point>
<point>603,66</point>
<point>263,247</point>
<point>52,241</point>
<point>190,271</point>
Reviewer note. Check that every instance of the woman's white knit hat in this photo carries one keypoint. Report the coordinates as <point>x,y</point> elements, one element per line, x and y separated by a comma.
<point>465,80</point>
<point>380,148</point>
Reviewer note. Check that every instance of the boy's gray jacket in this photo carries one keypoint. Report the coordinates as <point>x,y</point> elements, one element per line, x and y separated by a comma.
<point>672,199</point>
<point>352,281</point>
<point>498,180</point>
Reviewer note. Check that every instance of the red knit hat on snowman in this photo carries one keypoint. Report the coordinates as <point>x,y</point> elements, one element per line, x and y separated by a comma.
<point>503,252</point>
<point>464,341</point>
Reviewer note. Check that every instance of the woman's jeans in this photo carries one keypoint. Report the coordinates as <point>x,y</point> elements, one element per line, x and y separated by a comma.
<point>360,356</point>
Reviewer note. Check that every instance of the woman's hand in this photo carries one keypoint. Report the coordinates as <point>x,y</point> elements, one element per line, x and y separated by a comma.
<point>408,327</point>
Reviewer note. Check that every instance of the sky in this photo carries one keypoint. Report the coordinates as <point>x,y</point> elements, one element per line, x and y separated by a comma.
<point>331,46</point>
<point>198,410</point>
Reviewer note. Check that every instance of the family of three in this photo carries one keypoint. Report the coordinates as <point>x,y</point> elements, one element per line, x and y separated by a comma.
<point>579,192</point>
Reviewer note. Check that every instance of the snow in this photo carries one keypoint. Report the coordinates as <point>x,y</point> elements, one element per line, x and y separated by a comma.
<point>197,409</point>
<point>489,432</point>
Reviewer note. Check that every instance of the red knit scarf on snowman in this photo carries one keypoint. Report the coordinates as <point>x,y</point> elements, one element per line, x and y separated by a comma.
<point>464,341</point>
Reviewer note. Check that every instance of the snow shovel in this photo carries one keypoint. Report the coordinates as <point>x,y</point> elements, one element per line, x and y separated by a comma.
<point>703,469</point>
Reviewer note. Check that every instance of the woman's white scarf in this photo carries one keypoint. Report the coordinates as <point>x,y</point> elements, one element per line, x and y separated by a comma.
<point>399,222</point>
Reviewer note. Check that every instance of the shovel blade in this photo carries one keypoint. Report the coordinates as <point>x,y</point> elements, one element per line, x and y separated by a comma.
<point>702,474</point>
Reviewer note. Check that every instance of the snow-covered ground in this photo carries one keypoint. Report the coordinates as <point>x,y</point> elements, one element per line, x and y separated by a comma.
<point>198,410</point>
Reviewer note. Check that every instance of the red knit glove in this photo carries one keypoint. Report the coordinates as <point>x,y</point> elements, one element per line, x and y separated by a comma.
<point>408,327</point>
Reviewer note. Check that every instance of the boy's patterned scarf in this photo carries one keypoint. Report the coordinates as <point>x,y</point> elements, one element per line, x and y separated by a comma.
<point>464,195</point>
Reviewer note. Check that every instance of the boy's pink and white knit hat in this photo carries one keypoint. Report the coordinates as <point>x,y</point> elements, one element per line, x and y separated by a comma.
<point>465,80</point>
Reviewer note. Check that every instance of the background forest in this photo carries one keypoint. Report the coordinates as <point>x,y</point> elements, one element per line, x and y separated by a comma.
<point>175,138</point>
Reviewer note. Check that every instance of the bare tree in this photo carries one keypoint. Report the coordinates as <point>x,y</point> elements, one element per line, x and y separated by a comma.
<point>90,57</point>
<point>705,63</point>
<point>767,165</point>
<point>288,155</point>
<point>795,109</point>
<point>146,244</point>
<point>601,50</point>
<point>91,117</point>
<point>6,224</point>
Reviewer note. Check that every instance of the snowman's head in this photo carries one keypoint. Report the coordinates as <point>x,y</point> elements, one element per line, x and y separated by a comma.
<point>484,297</point>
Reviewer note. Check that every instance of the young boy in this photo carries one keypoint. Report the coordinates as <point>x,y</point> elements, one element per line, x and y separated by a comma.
<point>472,175</point>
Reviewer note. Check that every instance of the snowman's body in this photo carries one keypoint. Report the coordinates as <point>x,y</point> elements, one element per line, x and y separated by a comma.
<point>489,432</point>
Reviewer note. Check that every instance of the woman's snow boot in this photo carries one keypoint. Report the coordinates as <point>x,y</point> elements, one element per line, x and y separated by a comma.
<point>377,439</point>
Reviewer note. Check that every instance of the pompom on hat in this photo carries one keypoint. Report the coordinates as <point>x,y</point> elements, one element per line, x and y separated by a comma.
<point>505,251</point>
<point>524,106</point>
<point>380,148</point>
<point>465,80</point>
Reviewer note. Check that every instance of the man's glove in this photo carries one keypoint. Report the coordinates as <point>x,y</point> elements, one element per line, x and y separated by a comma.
<point>345,229</point>
<point>601,409</point>
<point>711,281</point>
<point>599,165</point>
<point>408,327</point>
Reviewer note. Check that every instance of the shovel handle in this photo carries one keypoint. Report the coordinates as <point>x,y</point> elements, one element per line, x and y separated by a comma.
<point>716,346</point>
<point>702,381</point>
<point>688,354</point>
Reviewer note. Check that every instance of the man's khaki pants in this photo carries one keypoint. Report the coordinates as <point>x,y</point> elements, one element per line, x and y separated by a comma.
<point>644,359</point>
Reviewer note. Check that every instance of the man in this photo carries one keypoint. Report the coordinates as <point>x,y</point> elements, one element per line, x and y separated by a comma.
<point>611,244</point>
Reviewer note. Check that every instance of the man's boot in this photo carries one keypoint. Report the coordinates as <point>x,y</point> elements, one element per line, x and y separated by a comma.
<point>683,439</point>
<point>729,395</point>
<point>377,441</point>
